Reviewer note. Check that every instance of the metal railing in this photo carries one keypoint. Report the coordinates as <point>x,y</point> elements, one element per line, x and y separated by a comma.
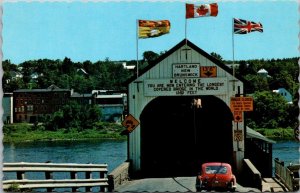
<point>288,175</point>
<point>49,183</point>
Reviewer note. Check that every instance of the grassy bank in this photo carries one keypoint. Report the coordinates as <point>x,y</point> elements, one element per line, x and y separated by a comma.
<point>278,134</point>
<point>27,132</point>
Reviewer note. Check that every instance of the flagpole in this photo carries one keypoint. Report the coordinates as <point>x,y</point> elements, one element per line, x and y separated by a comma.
<point>185,31</point>
<point>137,49</point>
<point>233,68</point>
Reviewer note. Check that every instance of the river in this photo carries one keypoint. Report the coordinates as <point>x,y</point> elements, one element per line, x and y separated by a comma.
<point>112,152</point>
<point>287,151</point>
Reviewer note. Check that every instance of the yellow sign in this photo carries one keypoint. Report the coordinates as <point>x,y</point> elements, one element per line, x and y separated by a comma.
<point>130,123</point>
<point>241,104</point>
<point>238,135</point>
<point>238,116</point>
<point>208,71</point>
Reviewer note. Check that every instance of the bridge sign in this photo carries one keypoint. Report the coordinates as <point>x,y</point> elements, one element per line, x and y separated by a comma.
<point>238,116</point>
<point>208,71</point>
<point>130,123</point>
<point>241,104</point>
<point>238,135</point>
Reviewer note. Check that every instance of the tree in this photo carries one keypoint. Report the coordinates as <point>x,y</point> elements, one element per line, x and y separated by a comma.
<point>150,56</point>
<point>68,66</point>
<point>74,116</point>
<point>270,111</point>
<point>27,70</point>
<point>217,56</point>
<point>256,83</point>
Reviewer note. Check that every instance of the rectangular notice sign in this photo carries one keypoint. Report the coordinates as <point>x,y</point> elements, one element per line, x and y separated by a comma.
<point>186,70</point>
<point>241,104</point>
<point>185,86</point>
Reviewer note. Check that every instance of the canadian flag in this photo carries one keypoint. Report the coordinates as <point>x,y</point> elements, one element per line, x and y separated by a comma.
<point>203,10</point>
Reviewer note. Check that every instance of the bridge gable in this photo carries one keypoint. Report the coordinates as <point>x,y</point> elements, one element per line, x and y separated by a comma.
<point>185,52</point>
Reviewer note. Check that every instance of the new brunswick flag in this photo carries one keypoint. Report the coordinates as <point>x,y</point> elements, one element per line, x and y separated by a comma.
<point>151,29</point>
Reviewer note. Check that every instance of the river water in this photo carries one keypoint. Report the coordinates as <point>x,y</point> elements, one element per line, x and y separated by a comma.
<point>112,152</point>
<point>287,151</point>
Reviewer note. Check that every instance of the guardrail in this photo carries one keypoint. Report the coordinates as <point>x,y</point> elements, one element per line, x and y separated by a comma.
<point>118,176</point>
<point>49,182</point>
<point>288,175</point>
<point>254,178</point>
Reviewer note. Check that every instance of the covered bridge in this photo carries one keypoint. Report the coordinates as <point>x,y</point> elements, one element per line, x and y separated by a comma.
<point>182,105</point>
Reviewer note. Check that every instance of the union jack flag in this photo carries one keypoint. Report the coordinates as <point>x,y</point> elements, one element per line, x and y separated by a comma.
<point>243,27</point>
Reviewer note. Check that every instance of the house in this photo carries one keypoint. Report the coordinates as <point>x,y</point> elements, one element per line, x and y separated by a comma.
<point>82,72</point>
<point>262,72</point>
<point>82,99</point>
<point>35,75</point>
<point>29,105</point>
<point>131,67</point>
<point>113,104</point>
<point>286,94</point>
<point>14,76</point>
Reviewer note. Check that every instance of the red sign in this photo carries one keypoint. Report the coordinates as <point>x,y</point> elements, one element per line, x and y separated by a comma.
<point>238,116</point>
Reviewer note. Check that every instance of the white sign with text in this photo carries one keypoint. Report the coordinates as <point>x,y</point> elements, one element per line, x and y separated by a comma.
<point>185,86</point>
<point>186,70</point>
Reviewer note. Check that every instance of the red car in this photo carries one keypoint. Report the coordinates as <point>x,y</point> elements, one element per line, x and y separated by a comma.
<point>216,175</point>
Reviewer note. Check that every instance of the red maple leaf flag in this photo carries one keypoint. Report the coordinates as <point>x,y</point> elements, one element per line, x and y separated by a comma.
<point>204,10</point>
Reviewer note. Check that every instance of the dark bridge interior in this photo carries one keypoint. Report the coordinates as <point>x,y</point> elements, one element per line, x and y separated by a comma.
<point>176,137</point>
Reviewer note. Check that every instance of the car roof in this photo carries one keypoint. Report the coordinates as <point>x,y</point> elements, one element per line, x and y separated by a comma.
<point>216,164</point>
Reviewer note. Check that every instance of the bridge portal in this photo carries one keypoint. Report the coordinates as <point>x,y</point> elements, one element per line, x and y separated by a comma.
<point>177,137</point>
<point>174,136</point>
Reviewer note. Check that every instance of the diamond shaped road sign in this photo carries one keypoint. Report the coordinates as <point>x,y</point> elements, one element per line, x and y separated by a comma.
<point>130,123</point>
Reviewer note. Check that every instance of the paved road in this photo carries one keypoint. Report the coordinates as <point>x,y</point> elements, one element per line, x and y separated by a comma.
<point>177,184</point>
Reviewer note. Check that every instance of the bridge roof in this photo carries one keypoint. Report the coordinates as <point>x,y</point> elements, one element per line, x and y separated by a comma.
<point>197,49</point>
<point>254,134</point>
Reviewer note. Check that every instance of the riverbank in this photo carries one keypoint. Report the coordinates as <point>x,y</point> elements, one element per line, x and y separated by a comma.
<point>278,134</point>
<point>22,132</point>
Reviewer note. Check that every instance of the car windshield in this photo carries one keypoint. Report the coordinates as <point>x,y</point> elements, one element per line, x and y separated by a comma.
<point>216,169</point>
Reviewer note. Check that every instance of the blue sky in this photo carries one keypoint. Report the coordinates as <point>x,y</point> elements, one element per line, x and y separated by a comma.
<point>97,30</point>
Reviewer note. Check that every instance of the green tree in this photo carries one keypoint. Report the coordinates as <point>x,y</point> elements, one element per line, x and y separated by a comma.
<point>74,116</point>
<point>217,56</point>
<point>270,111</point>
<point>68,66</point>
<point>256,83</point>
<point>149,56</point>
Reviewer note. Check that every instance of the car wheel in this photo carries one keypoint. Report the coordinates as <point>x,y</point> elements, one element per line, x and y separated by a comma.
<point>231,188</point>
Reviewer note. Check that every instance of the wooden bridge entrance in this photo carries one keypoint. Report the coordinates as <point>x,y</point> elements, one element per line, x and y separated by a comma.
<point>182,103</point>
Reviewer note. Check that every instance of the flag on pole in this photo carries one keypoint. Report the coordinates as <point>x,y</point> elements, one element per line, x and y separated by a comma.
<point>243,27</point>
<point>151,29</point>
<point>204,10</point>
